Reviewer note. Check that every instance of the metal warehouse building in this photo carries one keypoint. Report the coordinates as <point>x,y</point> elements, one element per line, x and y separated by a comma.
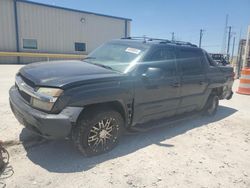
<point>27,26</point>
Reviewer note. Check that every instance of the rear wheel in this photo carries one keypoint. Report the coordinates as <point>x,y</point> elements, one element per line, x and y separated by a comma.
<point>98,131</point>
<point>212,105</point>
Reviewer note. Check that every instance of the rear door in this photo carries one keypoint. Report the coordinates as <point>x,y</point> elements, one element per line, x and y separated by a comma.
<point>193,78</point>
<point>157,96</point>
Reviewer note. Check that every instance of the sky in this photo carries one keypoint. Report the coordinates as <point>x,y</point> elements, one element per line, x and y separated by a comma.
<point>159,18</point>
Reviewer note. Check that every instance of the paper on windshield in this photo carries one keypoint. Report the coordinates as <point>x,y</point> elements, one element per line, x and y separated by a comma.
<point>133,50</point>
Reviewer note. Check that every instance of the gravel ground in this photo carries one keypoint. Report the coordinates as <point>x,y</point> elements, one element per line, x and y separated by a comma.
<point>202,152</point>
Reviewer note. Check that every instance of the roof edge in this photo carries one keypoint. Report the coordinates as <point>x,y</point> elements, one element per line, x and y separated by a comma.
<point>72,10</point>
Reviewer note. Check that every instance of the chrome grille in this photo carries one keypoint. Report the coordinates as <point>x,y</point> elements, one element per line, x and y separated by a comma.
<point>30,91</point>
<point>25,96</point>
<point>28,82</point>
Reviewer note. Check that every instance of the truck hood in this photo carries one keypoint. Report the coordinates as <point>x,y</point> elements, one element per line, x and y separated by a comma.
<point>66,73</point>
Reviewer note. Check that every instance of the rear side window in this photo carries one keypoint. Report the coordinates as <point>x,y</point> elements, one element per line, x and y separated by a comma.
<point>189,61</point>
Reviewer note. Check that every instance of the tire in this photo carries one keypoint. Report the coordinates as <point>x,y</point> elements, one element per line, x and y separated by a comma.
<point>98,131</point>
<point>212,105</point>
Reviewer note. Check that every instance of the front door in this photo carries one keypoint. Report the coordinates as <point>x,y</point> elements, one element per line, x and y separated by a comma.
<point>156,86</point>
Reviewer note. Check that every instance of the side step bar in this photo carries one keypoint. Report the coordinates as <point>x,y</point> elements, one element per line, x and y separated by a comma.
<point>163,122</point>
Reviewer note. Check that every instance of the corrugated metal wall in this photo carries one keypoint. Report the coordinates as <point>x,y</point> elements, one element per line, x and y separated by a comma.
<point>56,30</point>
<point>7,29</point>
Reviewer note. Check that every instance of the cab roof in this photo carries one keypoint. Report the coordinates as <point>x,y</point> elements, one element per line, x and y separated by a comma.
<point>150,41</point>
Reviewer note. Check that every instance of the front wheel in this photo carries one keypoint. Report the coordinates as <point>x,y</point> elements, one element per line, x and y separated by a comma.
<point>212,105</point>
<point>98,131</point>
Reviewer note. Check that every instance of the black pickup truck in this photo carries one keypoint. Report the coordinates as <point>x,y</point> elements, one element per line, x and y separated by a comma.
<point>122,84</point>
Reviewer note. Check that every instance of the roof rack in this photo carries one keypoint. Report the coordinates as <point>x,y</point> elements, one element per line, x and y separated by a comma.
<point>184,43</point>
<point>145,39</point>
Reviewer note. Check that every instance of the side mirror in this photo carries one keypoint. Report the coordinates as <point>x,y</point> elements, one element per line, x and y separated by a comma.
<point>153,73</point>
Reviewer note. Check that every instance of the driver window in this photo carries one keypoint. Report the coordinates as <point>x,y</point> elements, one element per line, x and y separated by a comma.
<point>160,54</point>
<point>163,58</point>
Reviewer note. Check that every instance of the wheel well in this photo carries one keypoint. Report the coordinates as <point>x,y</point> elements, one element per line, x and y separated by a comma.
<point>218,91</point>
<point>116,105</point>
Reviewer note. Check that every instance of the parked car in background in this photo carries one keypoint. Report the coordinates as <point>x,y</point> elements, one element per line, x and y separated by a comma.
<point>122,84</point>
<point>220,59</point>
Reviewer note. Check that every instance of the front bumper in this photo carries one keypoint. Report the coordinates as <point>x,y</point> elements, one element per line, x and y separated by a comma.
<point>52,126</point>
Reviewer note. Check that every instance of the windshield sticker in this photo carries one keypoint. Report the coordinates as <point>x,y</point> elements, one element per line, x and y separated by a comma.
<point>133,50</point>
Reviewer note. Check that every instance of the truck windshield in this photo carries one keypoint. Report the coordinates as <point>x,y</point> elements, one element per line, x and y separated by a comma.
<point>119,57</point>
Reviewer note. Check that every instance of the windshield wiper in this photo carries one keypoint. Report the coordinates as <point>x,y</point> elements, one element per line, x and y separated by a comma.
<point>97,64</point>
<point>104,66</point>
<point>89,58</point>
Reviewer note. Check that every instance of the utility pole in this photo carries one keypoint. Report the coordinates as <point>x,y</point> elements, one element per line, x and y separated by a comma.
<point>246,56</point>
<point>228,41</point>
<point>224,41</point>
<point>238,59</point>
<point>172,36</point>
<point>233,50</point>
<point>201,35</point>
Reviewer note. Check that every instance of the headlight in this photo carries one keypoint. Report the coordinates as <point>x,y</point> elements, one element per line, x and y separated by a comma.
<point>53,93</point>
